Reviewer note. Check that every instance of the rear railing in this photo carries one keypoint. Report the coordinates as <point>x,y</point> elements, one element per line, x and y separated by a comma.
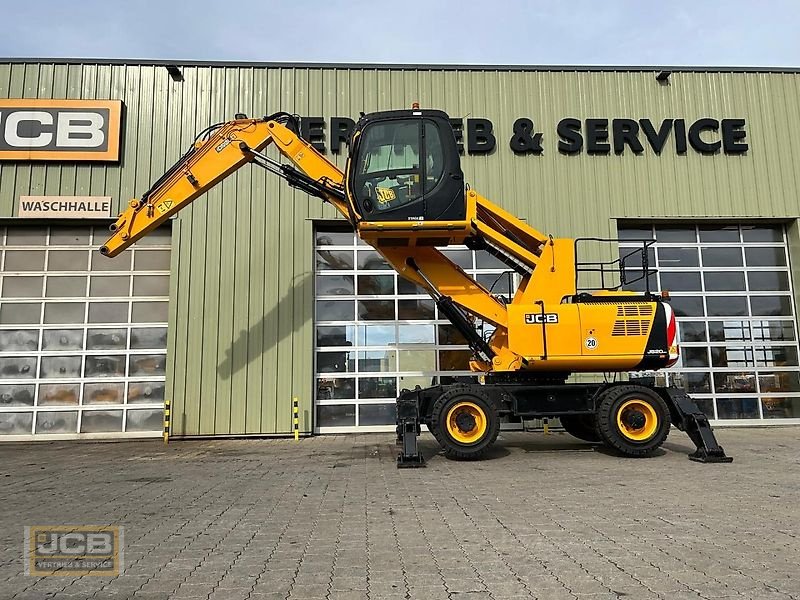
<point>632,266</point>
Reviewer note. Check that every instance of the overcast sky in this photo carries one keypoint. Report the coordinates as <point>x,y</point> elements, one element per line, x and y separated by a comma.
<point>579,32</point>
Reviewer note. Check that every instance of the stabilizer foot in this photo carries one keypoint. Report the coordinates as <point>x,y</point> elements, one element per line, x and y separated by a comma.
<point>700,455</point>
<point>408,430</point>
<point>687,417</point>
<point>410,462</point>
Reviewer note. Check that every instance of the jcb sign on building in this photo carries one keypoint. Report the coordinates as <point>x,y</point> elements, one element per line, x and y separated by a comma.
<point>61,130</point>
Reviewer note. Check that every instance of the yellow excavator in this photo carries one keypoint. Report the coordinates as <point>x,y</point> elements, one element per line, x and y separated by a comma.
<point>404,193</point>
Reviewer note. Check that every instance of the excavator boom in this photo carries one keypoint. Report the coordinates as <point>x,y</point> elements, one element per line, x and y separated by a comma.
<point>217,153</point>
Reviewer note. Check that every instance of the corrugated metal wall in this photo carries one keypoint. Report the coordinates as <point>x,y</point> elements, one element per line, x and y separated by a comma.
<point>240,324</point>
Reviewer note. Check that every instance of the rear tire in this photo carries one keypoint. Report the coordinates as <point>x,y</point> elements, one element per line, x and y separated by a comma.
<point>465,423</point>
<point>633,420</point>
<point>583,427</point>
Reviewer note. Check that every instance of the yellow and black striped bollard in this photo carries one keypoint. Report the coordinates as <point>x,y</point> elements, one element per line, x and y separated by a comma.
<point>296,419</point>
<point>166,421</point>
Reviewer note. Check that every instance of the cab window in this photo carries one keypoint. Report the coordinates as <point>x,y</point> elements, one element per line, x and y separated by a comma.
<point>434,161</point>
<point>395,160</point>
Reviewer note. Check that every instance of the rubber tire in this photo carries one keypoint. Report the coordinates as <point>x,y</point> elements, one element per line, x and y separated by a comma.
<point>608,429</point>
<point>438,425</point>
<point>583,427</point>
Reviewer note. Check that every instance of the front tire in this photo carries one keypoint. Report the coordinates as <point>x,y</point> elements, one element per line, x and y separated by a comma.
<point>633,420</point>
<point>465,423</point>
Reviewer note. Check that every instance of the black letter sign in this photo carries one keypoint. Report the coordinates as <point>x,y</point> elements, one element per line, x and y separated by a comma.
<point>658,139</point>
<point>733,135</point>
<point>679,126</point>
<point>697,142</point>
<point>626,132</point>
<point>311,130</point>
<point>458,131</point>
<point>480,139</point>
<point>341,128</point>
<point>569,130</point>
<point>597,136</point>
<point>525,139</point>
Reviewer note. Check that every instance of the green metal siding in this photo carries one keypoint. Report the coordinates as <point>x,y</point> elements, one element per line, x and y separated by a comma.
<point>240,337</point>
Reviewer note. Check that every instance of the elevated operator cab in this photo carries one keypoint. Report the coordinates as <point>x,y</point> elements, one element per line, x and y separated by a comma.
<point>404,172</point>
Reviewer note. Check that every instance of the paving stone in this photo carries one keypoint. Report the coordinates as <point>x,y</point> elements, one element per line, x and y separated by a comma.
<point>197,589</point>
<point>461,586</point>
<point>141,595</point>
<point>269,587</point>
<point>393,575</point>
<point>349,583</point>
<point>313,578</point>
<point>351,595</point>
<point>506,588</point>
<point>429,594</point>
<point>310,591</point>
<point>377,588</point>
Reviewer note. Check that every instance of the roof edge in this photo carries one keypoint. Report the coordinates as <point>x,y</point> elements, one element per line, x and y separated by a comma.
<point>398,66</point>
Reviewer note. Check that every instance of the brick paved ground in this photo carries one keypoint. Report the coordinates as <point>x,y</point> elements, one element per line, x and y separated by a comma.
<point>331,517</point>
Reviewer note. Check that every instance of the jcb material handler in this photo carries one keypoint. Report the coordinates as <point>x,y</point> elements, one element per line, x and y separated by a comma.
<point>404,193</point>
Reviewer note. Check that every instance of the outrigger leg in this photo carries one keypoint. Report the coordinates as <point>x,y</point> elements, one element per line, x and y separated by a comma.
<point>687,417</point>
<point>408,429</point>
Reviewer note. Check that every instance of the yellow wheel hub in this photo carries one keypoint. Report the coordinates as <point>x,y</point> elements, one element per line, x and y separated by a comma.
<point>466,423</point>
<point>637,420</point>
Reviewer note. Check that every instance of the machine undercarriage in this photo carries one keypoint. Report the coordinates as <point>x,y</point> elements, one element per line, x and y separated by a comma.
<point>456,413</point>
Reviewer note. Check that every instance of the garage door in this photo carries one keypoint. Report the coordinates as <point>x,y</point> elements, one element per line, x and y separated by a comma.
<point>731,290</point>
<point>375,333</point>
<point>82,337</point>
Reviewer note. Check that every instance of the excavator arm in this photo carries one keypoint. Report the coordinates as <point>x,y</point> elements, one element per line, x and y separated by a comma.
<point>217,153</point>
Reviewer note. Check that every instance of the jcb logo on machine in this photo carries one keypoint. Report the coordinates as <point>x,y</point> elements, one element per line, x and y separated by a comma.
<point>540,318</point>
<point>223,145</point>
<point>385,195</point>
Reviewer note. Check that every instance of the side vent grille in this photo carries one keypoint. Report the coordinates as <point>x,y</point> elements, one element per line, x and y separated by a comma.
<point>635,310</point>
<point>631,327</point>
<point>629,321</point>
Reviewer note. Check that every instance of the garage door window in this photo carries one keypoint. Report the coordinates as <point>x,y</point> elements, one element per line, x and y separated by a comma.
<point>376,333</point>
<point>732,295</point>
<point>82,337</point>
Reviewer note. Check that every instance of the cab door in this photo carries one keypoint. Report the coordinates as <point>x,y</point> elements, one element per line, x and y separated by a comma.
<point>404,166</point>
